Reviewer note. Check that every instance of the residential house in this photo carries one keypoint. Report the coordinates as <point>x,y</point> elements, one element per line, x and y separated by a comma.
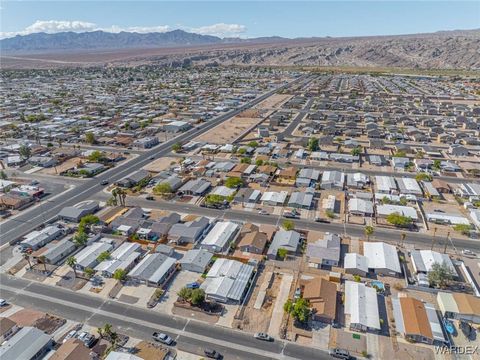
<point>324,252</point>
<point>382,258</point>
<point>153,270</point>
<point>287,240</point>
<point>460,306</point>
<point>196,260</point>
<point>322,297</point>
<point>220,236</point>
<point>361,307</point>
<point>29,343</point>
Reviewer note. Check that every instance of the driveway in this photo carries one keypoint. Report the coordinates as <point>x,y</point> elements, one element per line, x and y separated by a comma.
<point>277,314</point>
<point>182,278</point>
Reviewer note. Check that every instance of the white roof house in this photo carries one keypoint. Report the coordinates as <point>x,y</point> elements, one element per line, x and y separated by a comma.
<point>358,206</point>
<point>408,186</point>
<point>475,216</point>
<point>422,260</point>
<point>332,179</point>
<point>88,256</point>
<point>452,219</point>
<point>227,280</point>
<point>274,197</point>
<point>354,263</point>
<point>122,258</point>
<point>385,184</point>
<point>218,239</point>
<point>385,210</point>
<point>361,305</point>
<point>382,257</point>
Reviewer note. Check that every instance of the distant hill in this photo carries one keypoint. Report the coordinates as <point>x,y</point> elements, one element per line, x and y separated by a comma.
<point>103,40</point>
<point>457,49</point>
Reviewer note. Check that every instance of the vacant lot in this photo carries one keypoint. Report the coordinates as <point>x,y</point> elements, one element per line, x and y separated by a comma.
<point>229,130</point>
<point>273,101</point>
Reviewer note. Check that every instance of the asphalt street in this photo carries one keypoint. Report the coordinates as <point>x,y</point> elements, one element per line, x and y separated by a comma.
<point>190,335</point>
<point>380,234</point>
<point>11,231</point>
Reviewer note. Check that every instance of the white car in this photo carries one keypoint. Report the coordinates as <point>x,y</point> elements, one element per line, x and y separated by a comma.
<point>468,252</point>
<point>3,302</point>
<point>71,334</point>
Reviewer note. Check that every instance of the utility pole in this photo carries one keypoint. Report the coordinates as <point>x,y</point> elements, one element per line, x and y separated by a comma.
<point>433,237</point>
<point>446,243</point>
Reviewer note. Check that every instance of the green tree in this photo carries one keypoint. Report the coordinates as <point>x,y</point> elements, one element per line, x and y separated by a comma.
<point>253,144</point>
<point>300,309</point>
<point>288,225</point>
<point>162,189</point>
<point>95,156</point>
<point>330,214</point>
<point>120,274</point>
<point>399,220</point>
<point>90,138</point>
<point>89,272</point>
<point>312,144</point>
<point>80,238</point>
<point>463,228</point>
<point>440,275</point>
<point>259,162</point>
<point>3,175</point>
<point>72,262</point>
<point>356,151</point>
<point>245,160</point>
<point>357,278</point>
<point>369,230</point>
<point>423,177</point>
<point>197,296</point>
<point>233,182</point>
<point>185,293</point>
<point>25,152</point>
<point>214,199</point>
<point>436,165</point>
<point>282,253</point>
<point>242,151</point>
<point>87,221</point>
<point>400,153</point>
<point>177,147</point>
<point>105,255</point>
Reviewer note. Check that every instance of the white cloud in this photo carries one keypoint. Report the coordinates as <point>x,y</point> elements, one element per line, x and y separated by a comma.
<point>220,29</point>
<point>56,26</point>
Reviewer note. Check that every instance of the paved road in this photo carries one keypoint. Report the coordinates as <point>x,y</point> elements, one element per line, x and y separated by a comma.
<point>287,132</point>
<point>10,230</point>
<point>381,234</point>
<point>190,335</point>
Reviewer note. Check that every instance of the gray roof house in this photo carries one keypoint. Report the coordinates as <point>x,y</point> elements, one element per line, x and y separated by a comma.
<point>38,238</point>
<point>332,180</point>
<point>76,212</point>
<point>27,344</point>
<point>196,187</point>
<point>288,240</point>
<point>301,200</point>
<point>324,252</point>
<point>154,269</point>
<point>189,232</point>
<point>307,177</point>
<point>196,260</point>
<point>87,258</point>
<point>55,254</point>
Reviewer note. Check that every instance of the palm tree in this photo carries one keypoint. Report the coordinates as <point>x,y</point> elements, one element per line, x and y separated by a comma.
<point>369,230</point>
<point>446,243</point>
<point>27,257</point>
<point>72,262</point>
<point>43,260</point>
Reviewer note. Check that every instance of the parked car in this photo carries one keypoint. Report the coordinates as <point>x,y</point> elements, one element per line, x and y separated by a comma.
<point>468,252</point>
<point>212,354</point>
<point>104,182</point>
<point>151,158</point>
<point>263,336</point>
<point>263,212</point>
<point>34,182</point>
<point>149,197</point>
<point>87,339</point>
<point>71,334</point>
<point>320,220</point>
<point>163,338</point>
<point>3,302</point>
<point>290,215</point>
<point>193,285</point>
<point>339,353</point>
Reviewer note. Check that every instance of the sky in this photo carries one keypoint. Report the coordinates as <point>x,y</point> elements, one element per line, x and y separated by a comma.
<point>240,18</point>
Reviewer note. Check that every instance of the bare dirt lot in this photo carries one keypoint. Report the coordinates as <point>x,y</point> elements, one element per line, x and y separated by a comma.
<point>229,130</point>
<point>273,101</point>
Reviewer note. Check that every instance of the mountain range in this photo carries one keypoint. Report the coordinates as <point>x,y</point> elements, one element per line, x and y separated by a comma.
<point>458,49</point>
